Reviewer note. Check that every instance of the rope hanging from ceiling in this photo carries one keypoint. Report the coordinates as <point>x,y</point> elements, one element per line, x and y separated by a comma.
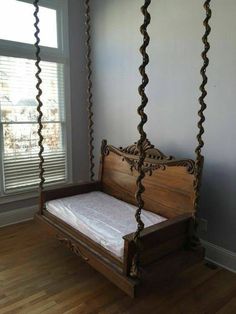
<point>38,98</point>
<point>135,271</point>
<point>198,151</point>
<point>203,106</point>
<point>89,91</point>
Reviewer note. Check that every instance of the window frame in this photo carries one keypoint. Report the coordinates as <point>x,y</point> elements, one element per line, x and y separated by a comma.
<point>58,55</point>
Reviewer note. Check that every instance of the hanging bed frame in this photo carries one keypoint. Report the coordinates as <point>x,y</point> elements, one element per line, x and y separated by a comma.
<point>138,174</point>
<point>169,192</point>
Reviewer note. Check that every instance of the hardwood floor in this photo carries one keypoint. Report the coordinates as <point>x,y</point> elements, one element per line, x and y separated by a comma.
<point>37,275</point>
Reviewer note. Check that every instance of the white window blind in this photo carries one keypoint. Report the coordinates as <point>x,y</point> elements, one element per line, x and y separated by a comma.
<point>18,123</point>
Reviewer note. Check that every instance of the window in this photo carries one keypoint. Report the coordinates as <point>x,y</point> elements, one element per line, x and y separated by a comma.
<point>18,107</point>
<point>22,15</point>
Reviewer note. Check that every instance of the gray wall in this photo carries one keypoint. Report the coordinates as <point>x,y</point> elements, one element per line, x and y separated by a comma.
<point>174,51</point>
<point>78,90</point>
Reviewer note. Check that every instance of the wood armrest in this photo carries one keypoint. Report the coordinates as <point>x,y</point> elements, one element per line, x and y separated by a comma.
<point>157,240</point>
<point>159,228</point>
<point>70,190</point>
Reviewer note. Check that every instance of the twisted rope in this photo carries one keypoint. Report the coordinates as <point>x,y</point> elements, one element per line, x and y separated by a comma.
<point>203,106</point>
<point>135,270</point>
<point>38,96</point>
<point>89,91</point>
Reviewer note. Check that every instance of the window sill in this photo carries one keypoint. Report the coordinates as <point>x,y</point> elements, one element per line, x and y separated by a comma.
<point>25,195</point>
<point>21,196</point>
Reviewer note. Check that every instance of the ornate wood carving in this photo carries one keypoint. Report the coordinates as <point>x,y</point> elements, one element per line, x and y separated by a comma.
<point>104,148</point>
<point>155,159</point>
<point>151,151</point>
<point>147,167</point>
<point>72,246</point>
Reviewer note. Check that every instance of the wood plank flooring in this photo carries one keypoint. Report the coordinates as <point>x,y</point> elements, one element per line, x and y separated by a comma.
<point>37,275</point>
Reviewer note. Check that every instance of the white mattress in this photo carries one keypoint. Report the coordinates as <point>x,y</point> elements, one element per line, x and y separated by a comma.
<point>101,217</point>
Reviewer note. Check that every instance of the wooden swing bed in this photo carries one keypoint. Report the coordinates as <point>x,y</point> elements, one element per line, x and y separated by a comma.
<point>138,175</point>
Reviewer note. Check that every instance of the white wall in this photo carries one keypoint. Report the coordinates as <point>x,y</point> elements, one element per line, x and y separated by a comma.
<point>175,61</point>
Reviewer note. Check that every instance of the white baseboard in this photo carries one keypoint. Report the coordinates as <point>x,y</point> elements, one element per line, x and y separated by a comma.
<point>220,256</point>
<point>16,216</point>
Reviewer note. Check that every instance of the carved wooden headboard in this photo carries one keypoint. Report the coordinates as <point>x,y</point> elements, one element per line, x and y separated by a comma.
<point>168,183</point>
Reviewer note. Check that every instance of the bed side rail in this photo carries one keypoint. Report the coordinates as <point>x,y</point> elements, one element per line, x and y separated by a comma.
<point>70,190</point>
<point>158,240</point>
